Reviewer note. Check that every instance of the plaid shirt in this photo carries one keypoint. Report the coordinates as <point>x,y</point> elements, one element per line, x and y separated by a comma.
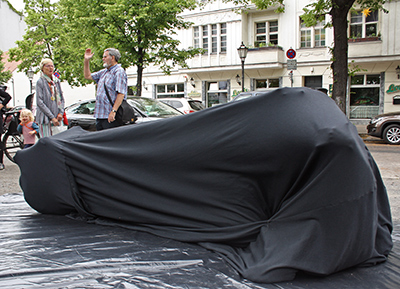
<point>116,80</point>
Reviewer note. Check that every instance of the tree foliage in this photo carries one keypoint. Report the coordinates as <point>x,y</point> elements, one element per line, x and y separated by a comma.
<point>143,30</point>
<point>5,75</point>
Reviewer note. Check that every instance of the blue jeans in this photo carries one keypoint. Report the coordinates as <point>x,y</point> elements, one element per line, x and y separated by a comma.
<point>102,123</point>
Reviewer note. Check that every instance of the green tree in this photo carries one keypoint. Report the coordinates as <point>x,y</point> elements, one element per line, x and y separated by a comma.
<point>338,10</point>
<point>5,75</point>
<point>142,30</point>
<point>40,36</point>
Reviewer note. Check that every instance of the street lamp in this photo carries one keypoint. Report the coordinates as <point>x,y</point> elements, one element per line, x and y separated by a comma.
<point>30,74</point>
<point>242,50</point>
<point>238,79</point>
<point>398,72</point>
<point>192,82</point>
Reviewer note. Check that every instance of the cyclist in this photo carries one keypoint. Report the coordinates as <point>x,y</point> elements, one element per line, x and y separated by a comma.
<point>4,99</point>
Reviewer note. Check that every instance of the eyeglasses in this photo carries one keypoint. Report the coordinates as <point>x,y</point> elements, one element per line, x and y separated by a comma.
<point>49,65</point>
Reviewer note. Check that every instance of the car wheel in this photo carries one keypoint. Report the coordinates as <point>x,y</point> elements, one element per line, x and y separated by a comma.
<point>391,134</point>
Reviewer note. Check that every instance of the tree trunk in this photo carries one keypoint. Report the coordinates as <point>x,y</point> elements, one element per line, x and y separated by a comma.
<point>139,80</point>
<point>339,12</point>
<point>139,72</point>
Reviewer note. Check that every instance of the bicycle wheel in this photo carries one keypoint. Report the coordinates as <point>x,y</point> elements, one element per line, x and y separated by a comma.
<point>12,144</point>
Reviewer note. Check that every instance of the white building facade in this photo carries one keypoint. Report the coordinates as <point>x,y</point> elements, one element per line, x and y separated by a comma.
<point>215,76</point>
<point>12,25</point>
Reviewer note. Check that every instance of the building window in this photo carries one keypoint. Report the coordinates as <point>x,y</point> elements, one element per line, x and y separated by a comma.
<point>312,36</point>
<point>205,38</point>
<point>319,34</point>
<point>362,26</point>
<point>364,96</point>
<point>196,37</point>
<point>213,38</point>
<point>267,83</point>
<point>305,38</point>
<point>266,33</point>
<point>314,81</point>
<point>223,37</point>
<point>170,90</point>
<point>217,93</point>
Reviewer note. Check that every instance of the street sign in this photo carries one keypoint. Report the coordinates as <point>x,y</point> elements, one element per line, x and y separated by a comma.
<point>291,53</point>
<point>292,64</point>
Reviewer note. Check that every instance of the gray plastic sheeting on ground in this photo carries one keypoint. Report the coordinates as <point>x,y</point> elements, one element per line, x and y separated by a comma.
<point>46,251</point>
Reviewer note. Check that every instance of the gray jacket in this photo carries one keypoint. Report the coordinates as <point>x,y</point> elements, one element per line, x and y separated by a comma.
<point>47,109</point>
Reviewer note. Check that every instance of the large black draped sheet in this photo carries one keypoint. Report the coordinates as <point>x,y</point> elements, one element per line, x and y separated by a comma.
<point>276,184</point>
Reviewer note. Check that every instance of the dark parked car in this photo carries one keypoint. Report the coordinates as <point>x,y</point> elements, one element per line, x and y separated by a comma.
<point>146,109</point>
<point>386,126</point>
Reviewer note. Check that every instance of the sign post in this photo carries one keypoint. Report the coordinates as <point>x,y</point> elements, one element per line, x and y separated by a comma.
<point>291,63</point>
<point>291,53</point>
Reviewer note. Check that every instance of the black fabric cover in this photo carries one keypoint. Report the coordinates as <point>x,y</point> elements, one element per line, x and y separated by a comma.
<point>276,184</point>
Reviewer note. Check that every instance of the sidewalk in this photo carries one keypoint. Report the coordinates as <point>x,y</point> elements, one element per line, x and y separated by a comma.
<point>362,129</point>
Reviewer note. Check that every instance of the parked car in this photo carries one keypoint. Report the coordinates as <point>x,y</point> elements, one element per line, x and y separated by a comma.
<point>146,109</point>
<point>386,126</point>
<point>185,105</point>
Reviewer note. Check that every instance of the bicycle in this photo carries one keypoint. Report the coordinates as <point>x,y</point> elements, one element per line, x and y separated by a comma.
<point>12,140</point>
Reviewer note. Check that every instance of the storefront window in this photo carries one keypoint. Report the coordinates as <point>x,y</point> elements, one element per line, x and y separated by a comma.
<point>364,96</point>
<point>160,88</point>
<point>217,93</point>
<point>170,90</point>
<point>180,87</point>
<point>267,83</point>
<point>357,79</point>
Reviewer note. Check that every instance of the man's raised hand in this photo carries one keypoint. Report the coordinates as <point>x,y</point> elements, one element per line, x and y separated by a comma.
<point>88,54</point>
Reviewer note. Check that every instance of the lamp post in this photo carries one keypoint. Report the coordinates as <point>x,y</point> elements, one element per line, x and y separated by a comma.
<point>30,74</point>
<point>242,50</point>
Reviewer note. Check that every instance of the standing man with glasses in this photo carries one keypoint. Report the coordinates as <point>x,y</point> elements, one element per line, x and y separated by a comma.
<point>113,78</point>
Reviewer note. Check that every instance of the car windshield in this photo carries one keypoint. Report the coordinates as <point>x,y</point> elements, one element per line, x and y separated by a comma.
<point>81,108</point>
<point>196,105</point>
<point>154,108</point>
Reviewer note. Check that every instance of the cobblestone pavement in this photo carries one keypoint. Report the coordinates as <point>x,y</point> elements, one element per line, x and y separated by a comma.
<point>9,178</point>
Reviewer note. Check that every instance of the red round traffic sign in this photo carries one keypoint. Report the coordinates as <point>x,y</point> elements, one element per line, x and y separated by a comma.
<point>291,53</point>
